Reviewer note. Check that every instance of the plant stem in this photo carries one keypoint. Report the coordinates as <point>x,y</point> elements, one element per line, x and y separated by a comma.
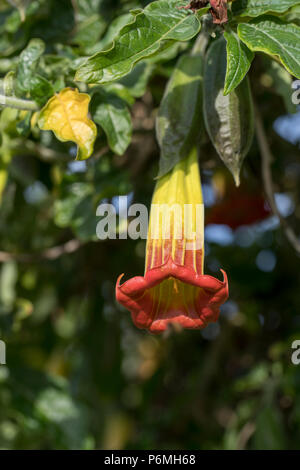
<point>18,103</point>
<point>267,159</point>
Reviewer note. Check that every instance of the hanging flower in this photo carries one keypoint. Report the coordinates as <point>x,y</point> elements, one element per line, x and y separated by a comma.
<point>174,288</point>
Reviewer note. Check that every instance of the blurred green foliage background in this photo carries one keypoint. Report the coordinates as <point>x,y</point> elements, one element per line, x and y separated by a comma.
<point>79,375</point>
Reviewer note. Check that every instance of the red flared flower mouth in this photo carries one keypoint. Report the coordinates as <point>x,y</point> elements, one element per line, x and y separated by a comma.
<point>172,293</point>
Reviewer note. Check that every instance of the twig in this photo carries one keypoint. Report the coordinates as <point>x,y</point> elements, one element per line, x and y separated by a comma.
<point>18,103</point>
<point>245,434</point>
<point>50,254</point>
<point>267,159</point>
<point>100,153</point>
<point>44,153</point>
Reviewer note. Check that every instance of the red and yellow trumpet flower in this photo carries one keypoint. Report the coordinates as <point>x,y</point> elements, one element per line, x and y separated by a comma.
<point>174,288</point>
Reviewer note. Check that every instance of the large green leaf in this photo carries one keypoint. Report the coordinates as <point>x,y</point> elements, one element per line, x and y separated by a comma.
<point>112,32</point>
<point>179,120</point>
<point>260,7</point>
<point>149,29</point>
<point>112,114</point>
<point>272,36</point>
<point>228,119</point>
<point>137,80</point>
<point>90,24</point>
<point>239,59</point>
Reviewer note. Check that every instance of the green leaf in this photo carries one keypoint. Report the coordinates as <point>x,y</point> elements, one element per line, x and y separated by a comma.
<point>28,79</point>
<point>281,82</point>
<point>114,28</point>
<point>178,124</point>
<point>137,80</point>
<point>90,24</point>
<point>269,433</point>
<point>272,36</point>
<point>292,16</point>
<point>239,59</point>
<point>112,114</point>
<point>9,83</point>
<point>159,22</point>
<point>63,415</point>
<point>120,90</point>
<point>24,125</point>
<point>40,89</point>
<point>64,208</point>
<point>260,7</point>
<point>229,119</point>
<point>89,30</point>
<point>77,211</point>
<point>28,62</point>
